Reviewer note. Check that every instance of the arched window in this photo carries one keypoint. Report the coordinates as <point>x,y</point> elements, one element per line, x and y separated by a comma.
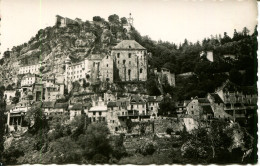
<point>141,70</point>
<point>123,61</point>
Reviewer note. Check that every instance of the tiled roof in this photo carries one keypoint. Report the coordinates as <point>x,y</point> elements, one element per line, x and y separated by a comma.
<point>216,98</point>
<point>98,108</point>
<point>111,104</point>
<point>87,104</point>
<point>96,56</point>
<point>9,107</point>
<point>203,100</point>
<point>137,99</point>
<point>48,104</point>
<point>155,98</point>
<point>129,44</point>
<point>61,105</point>
<point>77,106</point>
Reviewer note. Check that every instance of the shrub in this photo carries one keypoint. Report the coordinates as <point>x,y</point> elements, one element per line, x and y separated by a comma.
<point>169,131</point>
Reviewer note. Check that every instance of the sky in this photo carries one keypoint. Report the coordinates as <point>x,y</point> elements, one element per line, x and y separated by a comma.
<point>167,20</point>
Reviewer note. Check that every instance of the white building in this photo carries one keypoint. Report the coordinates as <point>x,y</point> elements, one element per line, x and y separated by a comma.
<point>98,114</point>
<point>8,95</point>
<point>30,79</point>
<point>75,72</point>
<point>33,69</point>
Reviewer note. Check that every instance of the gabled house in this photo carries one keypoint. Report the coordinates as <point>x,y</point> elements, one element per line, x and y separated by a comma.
<point>75,110</point>
<point>48,107</point>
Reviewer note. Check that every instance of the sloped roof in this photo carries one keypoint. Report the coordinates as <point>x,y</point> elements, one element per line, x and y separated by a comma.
<point>111,104</point>
<point>62,105</point>
<point>9,107</point>
<point>98,108</point>
<point>77,106</point>
<point>155,98</point>
<point>87,104</point>
<point>96,56</point>
<point>203,100</point>
<point>129,45</point>
<point>137,99</point>
<point>207,109</point>
<point>48,104</point>
<point>216,98</point>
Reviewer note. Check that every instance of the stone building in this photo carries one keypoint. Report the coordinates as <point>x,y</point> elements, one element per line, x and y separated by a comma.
<point>101,68</point>
<point>200,108</point>
<point>165,75</point>
<point>239,101</point>
<point>130,59</point>
<point>77,71</point>
<point>153,105</point>
<point>33,69</point>
<point>208,55</point>
<point>64,21</point>
<point>8,96</point>
<point>30,79</point>
<point>217,106</point>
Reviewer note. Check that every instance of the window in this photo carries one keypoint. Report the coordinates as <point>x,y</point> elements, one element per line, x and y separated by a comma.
<point>100,113</point>
<point>129,46</point>
<point>129,62</point>
<point>107,65</point>
<point>118,55</point>
<point>118,62</point>
<point>141,70</point>
<point>123,61</point>
<point>94,113</point>
<point>129,55</point>
<point>107,57</point>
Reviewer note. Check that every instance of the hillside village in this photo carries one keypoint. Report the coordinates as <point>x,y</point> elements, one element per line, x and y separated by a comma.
<point>103,74</point>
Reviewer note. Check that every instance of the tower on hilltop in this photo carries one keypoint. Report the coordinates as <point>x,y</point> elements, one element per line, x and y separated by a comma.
<point>130,19</point>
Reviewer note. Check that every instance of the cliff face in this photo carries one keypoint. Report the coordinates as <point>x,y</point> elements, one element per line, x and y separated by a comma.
<point>53,44</point>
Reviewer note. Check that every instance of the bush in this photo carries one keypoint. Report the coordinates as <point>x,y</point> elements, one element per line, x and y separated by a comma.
<point>169,131</point>
<point>100,159</point>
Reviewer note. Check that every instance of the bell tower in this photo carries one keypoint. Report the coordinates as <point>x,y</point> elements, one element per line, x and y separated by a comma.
<point>130,19</point>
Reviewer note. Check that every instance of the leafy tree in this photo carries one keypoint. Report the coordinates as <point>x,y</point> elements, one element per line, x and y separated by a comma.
<point>15,100</point>
<point>2,125</point>
<point>97,18</point>
<point>96,141</point>
<point>167,107</point>
<point>85,84</point>
<point>151,86</point>
<point>9,87</point>
<point>113,18</point>
<point>123,20</point>
<point>36,117</point>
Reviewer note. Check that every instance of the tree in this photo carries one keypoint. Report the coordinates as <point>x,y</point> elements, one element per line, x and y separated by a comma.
<point>85,84</point>
<point>113,18</point>
<point>151,86</point>
<point>9,87</point>
<point>97,18</point>
<point>2,125</point>
<point>36,117</point>
<point>167,107</point>
<point>42,68</point>
<point>15,100</point>
<point>123,20</point>
<point>95,141</point>
<point>245,31</point>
